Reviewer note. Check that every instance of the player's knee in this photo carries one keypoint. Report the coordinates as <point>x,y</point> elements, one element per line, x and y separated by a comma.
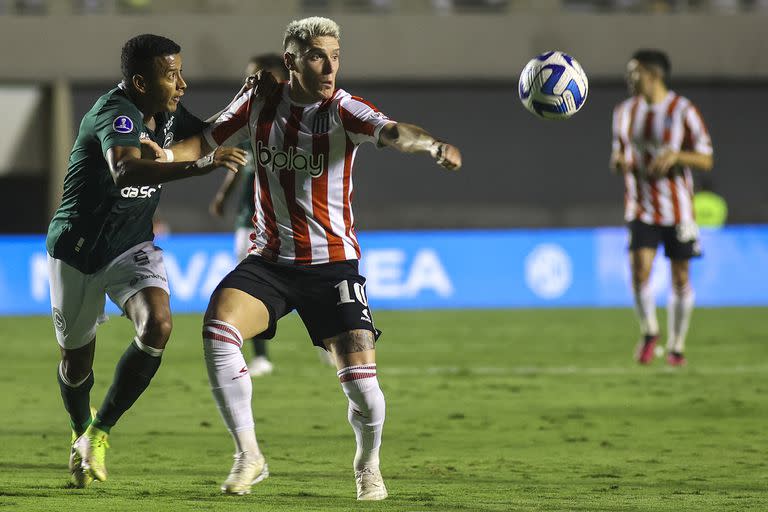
<point>156,330</point>
<point>373,400</point>
<point>640,275</point>
<point>352,342</point>
<point>75,371</point>
<point>366,405</point>
<point>680,283</point>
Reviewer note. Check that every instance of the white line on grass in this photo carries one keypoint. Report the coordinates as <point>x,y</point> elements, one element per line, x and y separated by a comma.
<point>570,370</point>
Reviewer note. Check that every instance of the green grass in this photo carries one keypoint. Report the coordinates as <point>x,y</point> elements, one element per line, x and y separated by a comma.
<point>486,411</point>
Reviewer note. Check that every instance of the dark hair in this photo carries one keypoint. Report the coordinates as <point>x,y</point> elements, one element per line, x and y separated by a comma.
<point>657,59</point>
<point>271,61</point>
<point>140,51</point>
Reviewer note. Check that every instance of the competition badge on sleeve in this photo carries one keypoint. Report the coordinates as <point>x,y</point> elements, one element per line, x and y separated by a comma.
<point>122,124</point>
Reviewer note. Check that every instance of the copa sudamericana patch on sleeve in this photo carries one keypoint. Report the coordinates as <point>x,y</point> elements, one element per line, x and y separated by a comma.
<point>122,124</point>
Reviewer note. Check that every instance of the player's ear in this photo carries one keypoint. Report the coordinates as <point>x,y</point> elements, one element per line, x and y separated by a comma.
<point>139,84</point>
<point>290,61</point>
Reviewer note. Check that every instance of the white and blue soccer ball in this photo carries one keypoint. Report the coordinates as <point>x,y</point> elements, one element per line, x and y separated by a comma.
<point>553,86</point>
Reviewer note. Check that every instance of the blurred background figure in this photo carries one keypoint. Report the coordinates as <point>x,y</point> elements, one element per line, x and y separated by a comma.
<point>658,138</point>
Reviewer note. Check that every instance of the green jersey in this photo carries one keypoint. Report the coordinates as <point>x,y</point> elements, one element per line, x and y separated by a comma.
<point>97,221</point>
<point>245,203</point>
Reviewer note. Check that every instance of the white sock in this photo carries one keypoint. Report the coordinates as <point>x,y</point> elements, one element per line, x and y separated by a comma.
<point>679,310</point>
<point>366,411</point>
<point>230,382</point>
<point>645,307</point>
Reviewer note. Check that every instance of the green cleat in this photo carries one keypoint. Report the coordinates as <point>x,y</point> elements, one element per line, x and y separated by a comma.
<point>79,476</point>
<point>92,448</point>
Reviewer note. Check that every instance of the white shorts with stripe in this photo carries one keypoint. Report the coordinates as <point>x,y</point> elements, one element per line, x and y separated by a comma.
<point>78,300</point>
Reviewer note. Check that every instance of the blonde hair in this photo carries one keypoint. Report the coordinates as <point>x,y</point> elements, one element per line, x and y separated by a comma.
<point>299,33</point>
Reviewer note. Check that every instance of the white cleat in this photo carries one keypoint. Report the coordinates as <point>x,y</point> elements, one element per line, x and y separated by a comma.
<point>247,470</point>
<point>370,484</point>
<point>260,366</point>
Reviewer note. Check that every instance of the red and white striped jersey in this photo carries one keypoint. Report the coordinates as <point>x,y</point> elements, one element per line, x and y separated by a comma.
<point>641,131</point>
<point>303,155</point>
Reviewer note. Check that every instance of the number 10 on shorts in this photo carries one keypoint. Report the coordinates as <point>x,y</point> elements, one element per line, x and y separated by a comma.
<point>346,298</point>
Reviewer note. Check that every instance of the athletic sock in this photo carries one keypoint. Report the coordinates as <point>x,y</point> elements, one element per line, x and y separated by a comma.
<point>365,413</point>
<point>77,399</point>
<point>645,307</point>
<point>679,310</point>
<point>260,348</point>
<point>132,376</point>
<point>230,382</point>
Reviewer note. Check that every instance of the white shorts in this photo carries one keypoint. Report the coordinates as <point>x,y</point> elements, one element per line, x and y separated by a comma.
<point>77,299</point>
<point>242,242</point>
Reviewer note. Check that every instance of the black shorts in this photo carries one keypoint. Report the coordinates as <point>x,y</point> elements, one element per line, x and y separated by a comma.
<point>681,242</point>
<point>330,298</point>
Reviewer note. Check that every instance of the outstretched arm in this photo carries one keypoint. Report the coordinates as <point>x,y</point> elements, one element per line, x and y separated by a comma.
<point>128,168</point>
<point>409,138</point>
<point>187,150</point>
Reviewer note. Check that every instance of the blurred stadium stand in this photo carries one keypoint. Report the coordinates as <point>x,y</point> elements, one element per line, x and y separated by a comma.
<point>61,55</point>
<point>46,7</point>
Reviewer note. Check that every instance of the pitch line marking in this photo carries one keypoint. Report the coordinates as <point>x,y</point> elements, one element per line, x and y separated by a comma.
<point>570,370</point>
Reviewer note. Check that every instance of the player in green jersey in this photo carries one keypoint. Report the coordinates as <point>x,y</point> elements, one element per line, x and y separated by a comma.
<point>100,238</point>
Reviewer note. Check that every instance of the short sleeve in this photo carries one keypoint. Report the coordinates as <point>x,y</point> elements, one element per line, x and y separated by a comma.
<point>118,123</point>
<point>362,121</point>
<point>231,127</point>
<point>696,133</point>
<point>187,123</point>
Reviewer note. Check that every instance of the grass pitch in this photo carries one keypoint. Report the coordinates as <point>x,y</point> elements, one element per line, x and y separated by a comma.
<point>486,411</point>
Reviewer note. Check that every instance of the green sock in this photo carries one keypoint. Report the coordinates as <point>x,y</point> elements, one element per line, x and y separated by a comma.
<point>260,347</point>
<point>132,376</point>
<point>77,402</point>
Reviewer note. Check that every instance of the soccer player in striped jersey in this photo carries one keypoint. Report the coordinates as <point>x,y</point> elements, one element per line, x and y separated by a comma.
<point>658,137</point>
<point>304,251</point>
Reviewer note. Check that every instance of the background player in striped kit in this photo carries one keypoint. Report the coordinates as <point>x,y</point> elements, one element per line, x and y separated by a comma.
<point>658,137</point>
<point>304,137</point>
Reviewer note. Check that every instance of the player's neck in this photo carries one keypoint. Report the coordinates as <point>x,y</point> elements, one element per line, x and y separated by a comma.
<point>146,110</point>
<point>657,95</point>
<point>299,95</point>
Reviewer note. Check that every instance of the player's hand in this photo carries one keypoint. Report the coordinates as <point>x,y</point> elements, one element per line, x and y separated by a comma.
<point>663,163</point>
<point>617,164</point>
<point>263,83</point>
<point>223,156</point>
<point>216,208</point>
<point>151,150</point>
<point>446,155</point>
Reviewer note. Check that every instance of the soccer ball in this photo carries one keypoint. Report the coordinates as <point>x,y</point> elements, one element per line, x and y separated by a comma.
<point>553,86</point>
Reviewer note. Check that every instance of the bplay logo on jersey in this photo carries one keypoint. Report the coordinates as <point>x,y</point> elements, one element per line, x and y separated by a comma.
<point>292,160</point>
<point>122,124</point>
